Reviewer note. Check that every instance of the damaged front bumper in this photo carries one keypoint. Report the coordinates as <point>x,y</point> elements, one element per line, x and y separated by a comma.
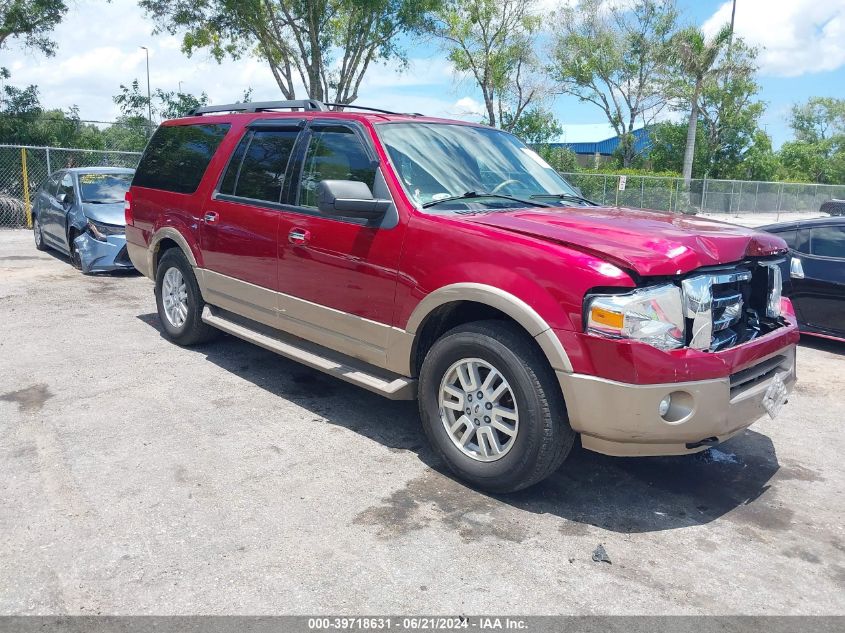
<point>102,256</point>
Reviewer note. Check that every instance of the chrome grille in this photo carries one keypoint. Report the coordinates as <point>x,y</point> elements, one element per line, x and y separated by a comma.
<point>724,307</point>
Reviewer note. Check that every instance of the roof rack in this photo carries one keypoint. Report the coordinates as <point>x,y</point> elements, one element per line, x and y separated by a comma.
<point>357,107</point>
<point>303,104</point>
<point>260,106</point>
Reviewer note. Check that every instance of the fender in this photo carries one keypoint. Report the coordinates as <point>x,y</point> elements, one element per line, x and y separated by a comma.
<point>399,351</point>
<point>174,234</point>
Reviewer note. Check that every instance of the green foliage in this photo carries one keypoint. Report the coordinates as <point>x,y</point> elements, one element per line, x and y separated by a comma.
<point>327,44</point>
<point>535,127</point>
<point>32,21</point>
<point>562,159</point>
<point>493,42</point>
<point>818,153</point>
<point>614,56</point>
<point>819,119</point>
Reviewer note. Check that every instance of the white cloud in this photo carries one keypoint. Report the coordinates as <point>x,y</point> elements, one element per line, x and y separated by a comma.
<point>796,36</point>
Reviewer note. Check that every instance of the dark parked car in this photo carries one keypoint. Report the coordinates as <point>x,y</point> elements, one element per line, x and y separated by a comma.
<point>814,273</point>
<point>833,207</point>
<point>79,212</point>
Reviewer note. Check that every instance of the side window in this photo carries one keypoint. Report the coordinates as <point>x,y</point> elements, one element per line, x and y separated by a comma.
<point>177,156</point>
<point>789,237</point>
<point>828,241</point>
<point>334,153</point>
<point>257,168</point>
<point>66,187</point>
<point>51,187</point>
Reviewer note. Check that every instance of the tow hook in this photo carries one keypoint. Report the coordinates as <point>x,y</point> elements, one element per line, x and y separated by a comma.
<point>710,441</point>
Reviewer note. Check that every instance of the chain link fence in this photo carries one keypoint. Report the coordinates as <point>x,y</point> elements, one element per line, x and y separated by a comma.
<point>734,197</point>
<point>24,168</point>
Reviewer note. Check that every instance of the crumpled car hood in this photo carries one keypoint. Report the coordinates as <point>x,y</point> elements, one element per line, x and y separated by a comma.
<point>112,213</point>
<point>647,242</point>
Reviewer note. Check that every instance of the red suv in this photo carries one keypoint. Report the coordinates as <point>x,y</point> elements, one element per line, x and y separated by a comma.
<point>446,261</point>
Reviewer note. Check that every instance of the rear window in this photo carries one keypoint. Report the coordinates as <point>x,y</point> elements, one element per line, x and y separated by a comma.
<point>257,168</point>
<point>177,156</point>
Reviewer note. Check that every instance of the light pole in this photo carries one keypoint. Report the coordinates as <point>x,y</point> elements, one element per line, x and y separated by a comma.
<point>149,95</point>
<point>180,87</point>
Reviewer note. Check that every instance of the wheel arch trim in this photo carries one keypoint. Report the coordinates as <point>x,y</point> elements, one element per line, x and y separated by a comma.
<point>505,302</point>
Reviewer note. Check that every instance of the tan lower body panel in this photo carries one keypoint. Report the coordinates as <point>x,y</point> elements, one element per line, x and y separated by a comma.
<point>622,419</point>
<point>346,333</point>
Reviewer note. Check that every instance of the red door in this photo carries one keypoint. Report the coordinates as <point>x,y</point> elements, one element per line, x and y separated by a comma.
<point>345,271</point>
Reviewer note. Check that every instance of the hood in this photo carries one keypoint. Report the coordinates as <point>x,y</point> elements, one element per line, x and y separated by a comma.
<point>111,213</point>
<point>647,242</point>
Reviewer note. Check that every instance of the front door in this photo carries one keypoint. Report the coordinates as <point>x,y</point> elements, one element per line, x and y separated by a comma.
<point>240,224</point>
<point>819,287</point>
<point>338,276</point>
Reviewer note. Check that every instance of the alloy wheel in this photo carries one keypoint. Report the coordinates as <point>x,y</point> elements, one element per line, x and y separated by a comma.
<point>478,409</point>
<point>174,297</point>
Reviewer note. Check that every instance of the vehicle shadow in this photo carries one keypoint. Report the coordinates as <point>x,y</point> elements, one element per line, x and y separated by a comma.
<point>128,272</point>
<point>823,344</point>
<point>627,495</point>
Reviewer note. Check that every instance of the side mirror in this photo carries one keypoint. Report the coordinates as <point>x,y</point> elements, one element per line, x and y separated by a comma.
<point>796,268</point>
<point>62,198</point>
<point>349,199</point>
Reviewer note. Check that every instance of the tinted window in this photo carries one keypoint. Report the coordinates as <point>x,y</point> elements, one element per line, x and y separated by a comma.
<point>334,153</point>
<point>257,169</point>
<point>104,187</point>
<point>789,237</point>
<point>52,185</point>
<point>177,156</point>
<point>828,241</point>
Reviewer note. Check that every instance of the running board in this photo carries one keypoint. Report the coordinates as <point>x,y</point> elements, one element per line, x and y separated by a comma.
<point>317,357</point>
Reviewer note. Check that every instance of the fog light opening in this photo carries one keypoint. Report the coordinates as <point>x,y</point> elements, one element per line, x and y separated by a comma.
<point>676,407</point>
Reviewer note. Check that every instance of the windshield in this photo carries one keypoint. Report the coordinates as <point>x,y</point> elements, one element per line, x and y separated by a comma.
<point>104,188</point>
<point>436,161</point>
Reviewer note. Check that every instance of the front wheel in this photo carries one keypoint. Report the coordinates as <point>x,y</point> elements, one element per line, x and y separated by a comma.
<point>491,406</point>
<point>179,301</point>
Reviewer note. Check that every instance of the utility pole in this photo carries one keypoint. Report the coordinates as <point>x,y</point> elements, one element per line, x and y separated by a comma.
<point>149,95</point>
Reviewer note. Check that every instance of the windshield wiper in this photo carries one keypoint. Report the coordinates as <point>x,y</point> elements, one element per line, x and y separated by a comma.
<point>101,201</point>
<point>564,196</point>
<point>472,195</point>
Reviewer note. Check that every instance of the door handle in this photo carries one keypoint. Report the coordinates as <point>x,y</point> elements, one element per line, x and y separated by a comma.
<point>796,268</point>
<point>211,217</point>
<point>299,236</point>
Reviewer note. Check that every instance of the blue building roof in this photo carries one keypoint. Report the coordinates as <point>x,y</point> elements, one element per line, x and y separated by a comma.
<point>642,143</point>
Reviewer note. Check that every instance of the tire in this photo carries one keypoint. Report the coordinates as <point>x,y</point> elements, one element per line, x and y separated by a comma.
<point>75,259</point>
<point>542,437</point>
<point>190,328</point>
<point>38,233</point>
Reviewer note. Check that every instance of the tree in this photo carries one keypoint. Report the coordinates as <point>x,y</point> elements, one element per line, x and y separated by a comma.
<point>134,104</point>
<point>493,42</point>
<point>299,39</point>
<point>819,119</point>
<point>696,58</point>
<point>32,21</point>
<point>536,126</point>
<point>614,56</point>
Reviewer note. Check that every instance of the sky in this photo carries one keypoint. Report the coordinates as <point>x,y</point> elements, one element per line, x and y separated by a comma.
<point>802,45</point>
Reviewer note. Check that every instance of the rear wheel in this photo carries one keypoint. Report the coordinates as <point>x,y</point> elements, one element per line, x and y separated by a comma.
<point>179,301</point>
<point>38,233</point>
<point>491,406</point>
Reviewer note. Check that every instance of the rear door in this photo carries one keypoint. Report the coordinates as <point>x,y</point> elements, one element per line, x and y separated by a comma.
<point>46,206</point>
<point>820,292</point>
<point>240,221</point>
<point>59,206</point>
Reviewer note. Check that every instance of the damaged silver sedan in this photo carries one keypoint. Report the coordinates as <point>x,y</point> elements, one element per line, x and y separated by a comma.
<point>79,212</point>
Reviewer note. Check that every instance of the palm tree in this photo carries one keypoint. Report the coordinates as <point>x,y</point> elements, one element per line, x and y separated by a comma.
<point>696,57</point>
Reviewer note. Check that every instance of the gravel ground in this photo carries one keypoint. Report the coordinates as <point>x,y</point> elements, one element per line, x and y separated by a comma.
<point>143,478</point>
